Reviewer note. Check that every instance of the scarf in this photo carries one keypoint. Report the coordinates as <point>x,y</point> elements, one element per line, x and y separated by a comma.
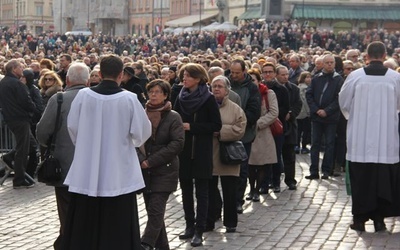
<point>154,112</point>
<point>191,102</point>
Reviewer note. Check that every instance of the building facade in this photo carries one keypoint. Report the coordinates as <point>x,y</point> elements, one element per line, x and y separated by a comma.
<point>21,15</point>
<point>105,16</point>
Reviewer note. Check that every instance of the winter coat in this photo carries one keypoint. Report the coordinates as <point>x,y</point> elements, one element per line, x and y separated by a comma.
<point>324,96</point>
<point>233,128</point>
<point>251,105</point>
<point>196,159</point>
<point>15,100</point>
<point>49,92</point>
<point>162,154</point>
<point>64,149</point>
<point>263,150</point>
<point>295,108</point>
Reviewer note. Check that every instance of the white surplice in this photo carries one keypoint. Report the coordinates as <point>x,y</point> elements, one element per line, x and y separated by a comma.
<point>105,130</point>
<point>371,104</point>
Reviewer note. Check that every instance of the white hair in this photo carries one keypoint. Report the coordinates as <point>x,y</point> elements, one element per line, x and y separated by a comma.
<point>78,73</point>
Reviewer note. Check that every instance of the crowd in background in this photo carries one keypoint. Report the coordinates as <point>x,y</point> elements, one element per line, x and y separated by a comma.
<point>265,70</point>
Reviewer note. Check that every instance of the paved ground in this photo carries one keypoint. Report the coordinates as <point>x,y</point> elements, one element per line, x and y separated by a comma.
<point>315,216</point>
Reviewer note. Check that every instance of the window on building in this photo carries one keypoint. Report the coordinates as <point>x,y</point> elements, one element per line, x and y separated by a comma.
<point>39,10</point>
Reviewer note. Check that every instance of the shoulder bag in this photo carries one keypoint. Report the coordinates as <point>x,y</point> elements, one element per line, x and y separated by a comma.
<point>49,170</point>
<point>232,153</point>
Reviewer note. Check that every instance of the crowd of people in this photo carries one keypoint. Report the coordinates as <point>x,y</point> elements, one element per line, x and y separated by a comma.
<point>193,91</point>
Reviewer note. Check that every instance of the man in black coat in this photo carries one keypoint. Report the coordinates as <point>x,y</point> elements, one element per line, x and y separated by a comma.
<point>322,98</point>
<point>17,109</point>
<point>290,140</point>
<point>250,97</point>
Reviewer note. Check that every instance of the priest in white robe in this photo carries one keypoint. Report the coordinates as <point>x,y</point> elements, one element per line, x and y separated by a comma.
<point>370,100</point>
<point>105,123</point>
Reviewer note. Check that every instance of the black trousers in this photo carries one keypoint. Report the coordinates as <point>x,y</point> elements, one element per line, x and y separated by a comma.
<point>199,220</point>
<point>229,189</point>
<point>155,233</point>
<point>63,198</point>
<point>23,138</point>
<point>289,163</point>
<point>244,173</point>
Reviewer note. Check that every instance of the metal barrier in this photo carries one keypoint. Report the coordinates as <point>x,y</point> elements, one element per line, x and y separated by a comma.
<point>7,141</point>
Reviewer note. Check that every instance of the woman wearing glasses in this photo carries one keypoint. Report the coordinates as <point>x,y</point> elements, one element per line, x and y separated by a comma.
<point>50,83</point>
<point>159,161</point>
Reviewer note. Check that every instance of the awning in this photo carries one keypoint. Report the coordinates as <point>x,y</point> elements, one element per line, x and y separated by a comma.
<point>250,14</point>
<point>344,12</point>
<point>190,20</point>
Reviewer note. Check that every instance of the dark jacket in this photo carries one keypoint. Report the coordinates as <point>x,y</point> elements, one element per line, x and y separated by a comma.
<point>295,108</point>
<point>134,86</point>
<point>64,149</point>
<point>143,81</point>
<point>37,99</point>
<point>282,95</point>
<point>294,75</point>
<point>15,101</point>
<point>162,154</point>
<point>323,94</point>
<point>251,105</point>
<point>175,90</point>
<point>196,159</point>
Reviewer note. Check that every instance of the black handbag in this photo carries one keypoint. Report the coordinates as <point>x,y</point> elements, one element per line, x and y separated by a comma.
<point>232,153</point>
<point>49,170</point>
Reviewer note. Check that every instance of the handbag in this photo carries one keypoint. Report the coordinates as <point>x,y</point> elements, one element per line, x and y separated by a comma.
<point>232,153</point>
<point>49,170</point>
<point>277,126</point>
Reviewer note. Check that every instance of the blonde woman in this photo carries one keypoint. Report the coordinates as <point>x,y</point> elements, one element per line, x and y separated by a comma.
<point>49,83</point>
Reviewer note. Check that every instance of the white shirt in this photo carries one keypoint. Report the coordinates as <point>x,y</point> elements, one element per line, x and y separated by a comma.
<point>371,104</point>
<point>105,130</point>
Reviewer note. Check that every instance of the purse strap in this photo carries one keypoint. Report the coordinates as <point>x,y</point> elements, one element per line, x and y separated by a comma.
<point>57,124</point>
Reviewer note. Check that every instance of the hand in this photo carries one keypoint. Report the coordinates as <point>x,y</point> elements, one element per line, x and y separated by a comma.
<point>144,164</point>
<point>321,113</point>
<point>287,117</point>
<point>186,126</point>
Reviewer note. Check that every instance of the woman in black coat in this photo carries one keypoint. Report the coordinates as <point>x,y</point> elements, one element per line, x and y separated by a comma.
<point>201,119</point>
<point>159,161</point>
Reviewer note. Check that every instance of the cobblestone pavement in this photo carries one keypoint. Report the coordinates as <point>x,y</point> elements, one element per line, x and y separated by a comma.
<point>315,216</point>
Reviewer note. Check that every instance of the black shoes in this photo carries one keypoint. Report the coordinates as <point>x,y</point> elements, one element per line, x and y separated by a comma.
<point>305,151</point>
<point>230,229</point>
<point>325,176</point>
<point>358,226</point>
<point>379,226</point>
<point>197,239</point>
<point>312,177</point>
<point>292,186</point>
<point>276,189</point>
<point>189,233</point>
<point>256,197</point>
<point>249,196</point>
<point>263,191</point>
<point>25,184</point>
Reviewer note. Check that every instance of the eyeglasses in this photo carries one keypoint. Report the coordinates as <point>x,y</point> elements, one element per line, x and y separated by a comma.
<point>217,86</point>
<point>49,79</point>
<point>349,68</point>
<point>156,92</point>
<point>268,72</point>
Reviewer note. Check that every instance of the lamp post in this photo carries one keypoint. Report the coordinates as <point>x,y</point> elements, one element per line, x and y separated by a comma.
<point>17,9</point>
